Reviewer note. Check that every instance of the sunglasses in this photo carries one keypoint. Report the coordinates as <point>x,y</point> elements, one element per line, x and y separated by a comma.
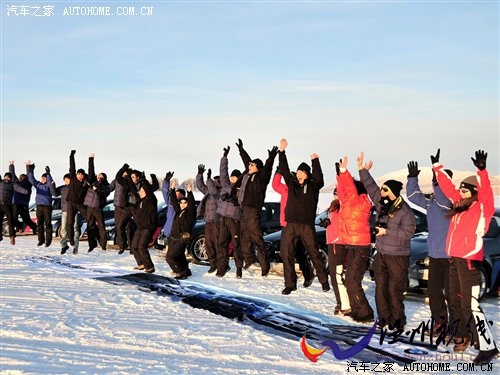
<point>384,189</point>
<point>465,191</point>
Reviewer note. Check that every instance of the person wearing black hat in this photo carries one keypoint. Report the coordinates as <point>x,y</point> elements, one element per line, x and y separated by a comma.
<point>300,252</point>
<point>254,183</point>
<point>125,225</point>
<point>20,202</point>
<point>7,188</point>
<point>208,210</point>
<point>230,211</point>
<point>300,213</point>
<point>94,201</point>
<point>184,219</point>
<point>45,190</point>
<point>78,186</point>
<point>145,217</point>
<point>394,227</point>
<point>437,206</point>
<point>471,213</point>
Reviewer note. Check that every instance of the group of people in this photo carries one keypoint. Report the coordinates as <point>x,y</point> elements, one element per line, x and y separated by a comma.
<point>458,218</point>
<point>231,207</point>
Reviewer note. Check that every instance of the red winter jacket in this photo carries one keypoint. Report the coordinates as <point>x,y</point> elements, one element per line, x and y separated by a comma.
<point>355,212</point>
<point>467,228</point>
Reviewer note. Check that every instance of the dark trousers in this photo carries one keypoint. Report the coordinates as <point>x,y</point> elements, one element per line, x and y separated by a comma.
<point>438,289</point>
<point>252,234</point>
<point>229,231</point>
<point>125,226</point>
<point>391,280</point>
<point>139,248</point>
<point>358,258</point>
<point>291,234</point>
<point>211,238</point>
<point>23,211</point>
<point>44,224</point>
<point>96,230</point>
<point>465,278</point>
<point>176,255</point>
<point>337,259</point>
<point>6,211</point>
<point>72,210</point>
<point>303,261</point>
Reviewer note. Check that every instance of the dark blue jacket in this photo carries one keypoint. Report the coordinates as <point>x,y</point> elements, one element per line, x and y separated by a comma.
<point>44,192</point>
<point>437,206</point>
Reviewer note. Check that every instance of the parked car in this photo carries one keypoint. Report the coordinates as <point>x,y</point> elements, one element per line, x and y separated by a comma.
<point>490,267</point>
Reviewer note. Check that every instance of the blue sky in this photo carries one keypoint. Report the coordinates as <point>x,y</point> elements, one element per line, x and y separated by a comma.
<point>168,91</point>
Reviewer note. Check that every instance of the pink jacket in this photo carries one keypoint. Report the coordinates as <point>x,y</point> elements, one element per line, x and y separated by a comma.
<point>467,228</point>
<point>280,188</point>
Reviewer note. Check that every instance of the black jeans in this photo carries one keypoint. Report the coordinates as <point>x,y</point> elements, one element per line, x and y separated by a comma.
<point>44,224</point>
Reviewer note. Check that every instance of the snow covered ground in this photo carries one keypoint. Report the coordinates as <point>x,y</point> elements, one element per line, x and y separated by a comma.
<point>58,320</point>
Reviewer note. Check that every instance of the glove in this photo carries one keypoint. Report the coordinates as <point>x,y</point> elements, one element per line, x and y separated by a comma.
<point>239,144</point>
<point>201,168</point>
<point>226,151</point>
<point>480,160</point>
<point>125,166</point>
<point>47,169</point>
<point>324,223</point>
<point>153,176</point>
<point>435,159</point>
<point>413,170</point>
<point>73,152</point>
<point>273,152</point>
<point>434,178</point>
<point>337,168</point>
<point>209,173</point>
<point>169,175</point>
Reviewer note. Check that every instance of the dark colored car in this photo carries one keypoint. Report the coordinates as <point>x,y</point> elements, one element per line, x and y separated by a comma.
<point>270,222</point>
<point>490,267</point>
<point>273,240</point>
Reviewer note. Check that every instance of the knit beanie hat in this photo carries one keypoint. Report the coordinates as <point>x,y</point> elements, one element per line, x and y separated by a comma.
<point>82,171</point>
<point>470,183</point>
<point>258,163</point>
<point>395,186</point>
<point>304,168</point>
<point>236,173</point>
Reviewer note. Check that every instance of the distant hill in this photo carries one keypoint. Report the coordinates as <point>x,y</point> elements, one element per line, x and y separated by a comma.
<point>424,178</point>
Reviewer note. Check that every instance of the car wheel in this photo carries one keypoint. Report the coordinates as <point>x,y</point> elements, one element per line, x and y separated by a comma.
<point>198,250</point>
<point>484,282</point>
